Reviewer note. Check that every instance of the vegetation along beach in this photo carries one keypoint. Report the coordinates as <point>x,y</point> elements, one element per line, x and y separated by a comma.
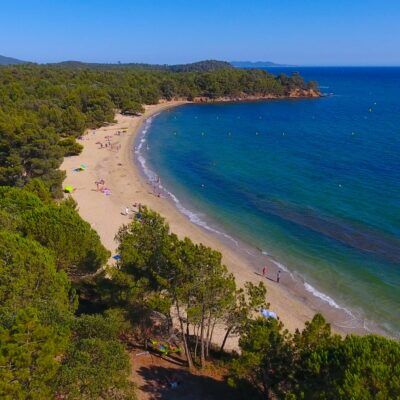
<point>180,229</point>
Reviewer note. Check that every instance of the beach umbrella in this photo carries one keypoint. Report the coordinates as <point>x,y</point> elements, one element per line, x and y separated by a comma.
<point>268,314</point>
<point>68,189</point>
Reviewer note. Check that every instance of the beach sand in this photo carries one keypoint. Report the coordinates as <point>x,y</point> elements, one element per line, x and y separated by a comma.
<point>127,185</point>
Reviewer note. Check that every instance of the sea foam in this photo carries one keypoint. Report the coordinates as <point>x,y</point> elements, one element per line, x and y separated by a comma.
<point>153,179</point>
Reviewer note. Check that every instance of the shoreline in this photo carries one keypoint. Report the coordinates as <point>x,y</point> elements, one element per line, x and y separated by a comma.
<point>123,177</point>
<point>342,319</point>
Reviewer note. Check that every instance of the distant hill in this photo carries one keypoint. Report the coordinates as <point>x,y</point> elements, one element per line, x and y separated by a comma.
<point>10,61</point>
<point>258,64</point>
<point>207,65</point>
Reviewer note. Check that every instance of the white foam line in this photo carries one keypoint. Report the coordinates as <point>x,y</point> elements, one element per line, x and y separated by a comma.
<point>153,178</point>
<point>324,297</point>
<point>279,265</point>
<point>316,293</point>
<point>195,218</point>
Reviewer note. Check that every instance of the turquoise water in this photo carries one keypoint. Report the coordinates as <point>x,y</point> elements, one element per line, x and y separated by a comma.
<point>315,183</point>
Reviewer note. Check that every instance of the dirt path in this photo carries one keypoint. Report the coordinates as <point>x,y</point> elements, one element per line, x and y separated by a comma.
<point>152,373</point>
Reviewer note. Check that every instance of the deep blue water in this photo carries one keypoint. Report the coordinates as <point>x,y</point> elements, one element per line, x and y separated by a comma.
<point>314,182</point>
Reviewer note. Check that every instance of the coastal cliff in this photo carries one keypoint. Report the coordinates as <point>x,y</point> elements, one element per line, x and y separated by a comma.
<point>292,94</point>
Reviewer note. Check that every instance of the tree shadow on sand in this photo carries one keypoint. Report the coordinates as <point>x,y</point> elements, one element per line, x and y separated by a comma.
<point>157,381</point>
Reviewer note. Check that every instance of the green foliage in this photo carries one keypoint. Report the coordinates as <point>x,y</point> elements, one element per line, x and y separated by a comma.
<point>9,222</point>
<point>95,369</point>
<point>143,246</point>
<point>76,246</point>
<point>27,358</point>
<point>247,301</point>
<point>190,276</point>
<point>16,201</point>
<point>39,188</point>
<point>372,368</point>
<point>314,364</point>
<point>105,327</point>
<point>28,278</point>
<point>130,107</point>
<point>96,365</point>
<point>70,146</point>
<point>266,357</point>
<point>45,351</point>
<point>36,311</point>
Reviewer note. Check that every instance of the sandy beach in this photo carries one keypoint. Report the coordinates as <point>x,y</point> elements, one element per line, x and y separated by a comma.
<point>115,165</point>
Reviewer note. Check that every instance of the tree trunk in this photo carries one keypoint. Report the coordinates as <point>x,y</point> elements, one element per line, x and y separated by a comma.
<point>185,343</point>
<point>197,342</point>
<point>210,332</point>
<point>187,320</point>
<point>208,335</point>
<point>228,331</point>
<point>202,353</point>
<point>211,336</point>
<point>187,328</point>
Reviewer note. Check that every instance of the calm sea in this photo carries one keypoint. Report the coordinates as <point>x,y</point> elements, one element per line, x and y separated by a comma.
<point>315,183</point>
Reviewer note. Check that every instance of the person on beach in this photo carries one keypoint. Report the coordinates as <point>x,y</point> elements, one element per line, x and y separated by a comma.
<point>264,270</point>
<point>278,276</point>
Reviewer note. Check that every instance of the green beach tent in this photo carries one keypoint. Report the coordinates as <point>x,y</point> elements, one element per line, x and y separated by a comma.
<point>68,189</point>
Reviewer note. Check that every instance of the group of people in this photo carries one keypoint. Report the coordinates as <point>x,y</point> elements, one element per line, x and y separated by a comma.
<point>155,184</point>
<point>108,144</point>
<point>100,187</point>
<point>278,274</point>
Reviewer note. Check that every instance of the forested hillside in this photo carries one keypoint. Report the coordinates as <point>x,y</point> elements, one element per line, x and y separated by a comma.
<point>45,348</point>
<point>10,61</point>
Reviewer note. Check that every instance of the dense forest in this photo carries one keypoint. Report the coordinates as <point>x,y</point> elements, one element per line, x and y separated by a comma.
<point>67,319</point>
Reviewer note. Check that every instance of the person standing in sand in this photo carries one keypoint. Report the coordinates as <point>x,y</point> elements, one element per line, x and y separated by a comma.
<point>278,276</point>
<point>264,271</point>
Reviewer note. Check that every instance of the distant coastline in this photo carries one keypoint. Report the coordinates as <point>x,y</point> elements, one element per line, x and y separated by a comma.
<point>293,94</point>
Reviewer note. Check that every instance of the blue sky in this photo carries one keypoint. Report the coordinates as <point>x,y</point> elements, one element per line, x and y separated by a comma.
<point>303,32</point>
